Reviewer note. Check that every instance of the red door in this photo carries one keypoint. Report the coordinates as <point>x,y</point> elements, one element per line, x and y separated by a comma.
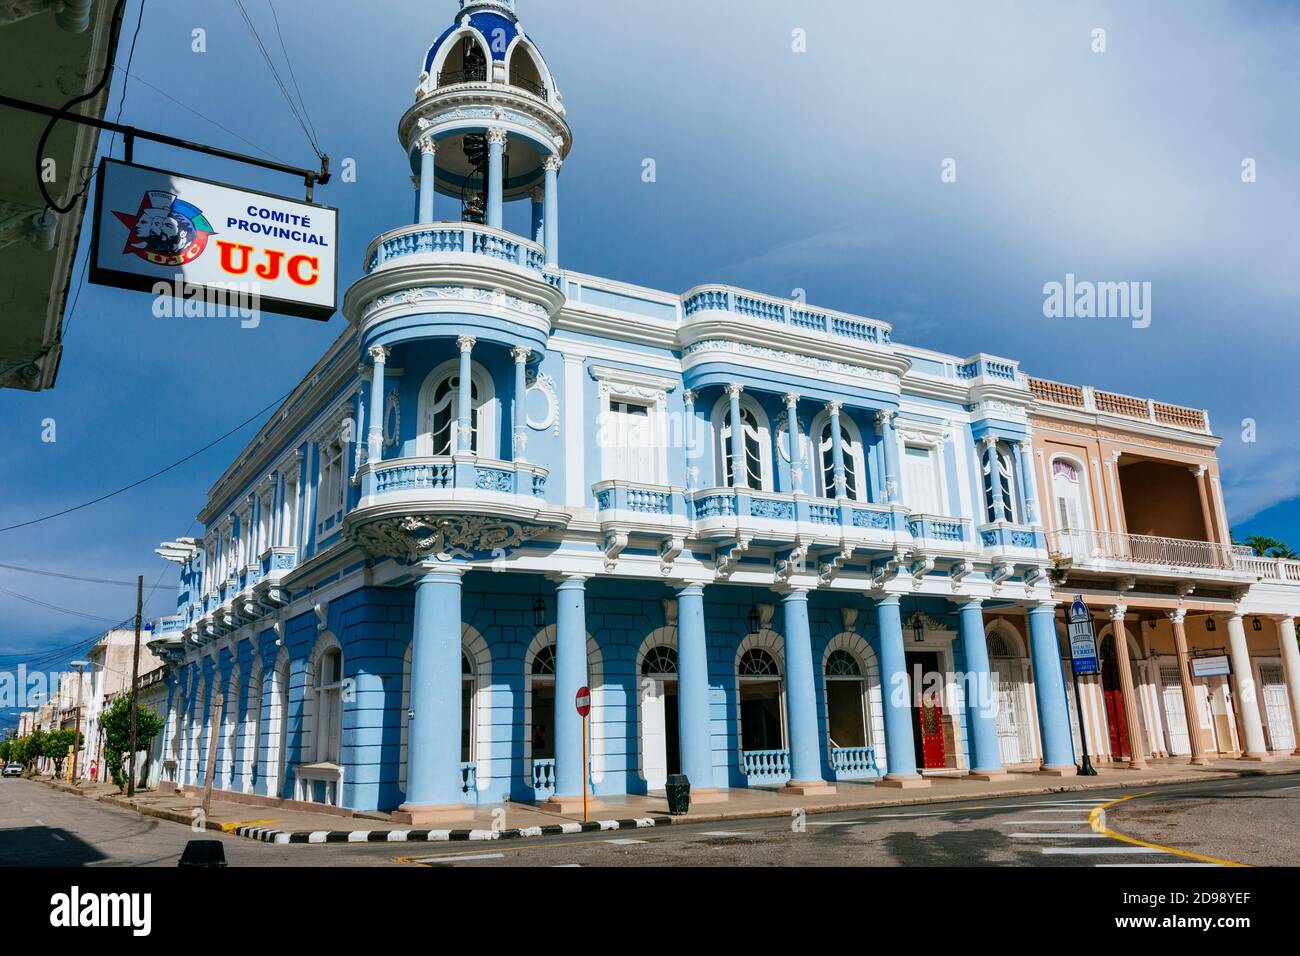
<point>931,720</point>
<point>1114,701</point>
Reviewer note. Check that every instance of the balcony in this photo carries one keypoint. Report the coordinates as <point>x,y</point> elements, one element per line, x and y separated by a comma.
<point>794,315</point>
<point>782,517</point>
<point>1274,570</point>
<point>1106,550</point>
<point>454,239</point>
<point>450,506</point>
<point>1147,410</point>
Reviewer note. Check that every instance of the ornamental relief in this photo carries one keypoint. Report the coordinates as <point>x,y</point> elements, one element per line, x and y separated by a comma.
<point>493,297</point>
<point>807,361</point>
<point>411,538</point>
<point>1110,435</point>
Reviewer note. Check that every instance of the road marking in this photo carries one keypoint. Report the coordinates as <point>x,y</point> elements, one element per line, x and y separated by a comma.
<point>1057,836</point>
<point>1100,865</point>
<point>836,823</point>
<point>723,833</point>
<point>229,827</point>
<point>1096,816</point>
<point>1081,850</point>
<point>1062,810</point>
<point>456,858</point>
<point>626,841</point>
<point>1045,823</point>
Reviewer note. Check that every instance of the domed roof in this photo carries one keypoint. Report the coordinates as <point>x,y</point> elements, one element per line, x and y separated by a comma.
<point>494,20</point>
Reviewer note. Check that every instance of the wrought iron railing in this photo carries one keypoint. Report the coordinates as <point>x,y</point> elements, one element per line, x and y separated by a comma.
<point>1083,547</point>
<point>530,85</point>
<point>452,77</point>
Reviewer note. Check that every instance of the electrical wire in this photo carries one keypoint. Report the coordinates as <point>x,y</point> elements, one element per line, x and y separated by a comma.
<point>98,88</point>
<point>289,63</point>
<point>68,577</point>
<point>275,75</point>
<point>55,607</point>
<point>162,471</point>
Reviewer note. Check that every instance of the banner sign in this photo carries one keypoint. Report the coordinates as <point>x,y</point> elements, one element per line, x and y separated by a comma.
<point>1083,640</point>
<point>1211,666</point>
<point>157,231</point>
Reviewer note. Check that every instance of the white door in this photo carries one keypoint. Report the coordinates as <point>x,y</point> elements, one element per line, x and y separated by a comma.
<point>1276,708</point>
<point>1175,712</point>
<point>630,452</point>
<point>922,488</point>
<point>1008,712</point>
<point>654,748</point>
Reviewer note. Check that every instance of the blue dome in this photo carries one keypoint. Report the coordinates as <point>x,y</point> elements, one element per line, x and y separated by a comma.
<point>497,30</point>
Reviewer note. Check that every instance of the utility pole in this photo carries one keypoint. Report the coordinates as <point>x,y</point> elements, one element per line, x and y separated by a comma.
<point>212,746</point>
<point>76,727</point>
<point>135,677</point>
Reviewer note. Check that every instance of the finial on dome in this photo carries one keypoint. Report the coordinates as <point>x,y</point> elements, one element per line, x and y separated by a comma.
<point>472,5</point>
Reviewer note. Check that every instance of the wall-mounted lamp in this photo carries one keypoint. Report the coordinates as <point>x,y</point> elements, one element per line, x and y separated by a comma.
<point>1210,625</point>
<point>539,611</point>
<point>752,618</point>
<point>1256,625</point>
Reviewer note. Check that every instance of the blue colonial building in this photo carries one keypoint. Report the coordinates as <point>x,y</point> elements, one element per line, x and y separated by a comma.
<point>753,527</point>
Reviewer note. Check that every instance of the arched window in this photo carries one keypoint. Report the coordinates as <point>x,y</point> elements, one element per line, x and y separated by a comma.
<point>278,728</point>
<point>439,406</point>
<point>229,727</point>
<point>1000,484</point>
<point>541,682</point>
<point>466,709</point>
<point>757,662</point>
<point>854,459</point>
<point>756,441</point>
<point>328,688</point>
<point>253,728</point>
<point>1067,492</point>
<point>660,661</point>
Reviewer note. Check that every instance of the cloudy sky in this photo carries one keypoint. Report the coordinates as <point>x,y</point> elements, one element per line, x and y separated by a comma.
<point>775,170</point>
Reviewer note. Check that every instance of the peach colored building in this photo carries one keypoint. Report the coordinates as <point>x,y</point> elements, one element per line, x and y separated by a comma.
<point>1135,523</point>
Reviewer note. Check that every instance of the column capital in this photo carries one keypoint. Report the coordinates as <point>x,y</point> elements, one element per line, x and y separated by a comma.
<point>427,146</point>
<point>1177,616</point>
<point>989,441</point>
<point>793,592</point>
<point>1044,606</point>
<point>1234,617</point>
<point>790,398</point>
<point>688,396</point>
<point>496,135</point>
<point>565,581</point>
<point>686,588</point>
<point>521,354</point>
<point>552,163</point>
<point>1117,613</point>
<point>1198,470</point>
<point>537,194</point>
<point>465,342</point>
<point>967,602</point>
<point>733,391</point>
<point>885,419</point>
<point>889,600</point>
<point>834,407</point>
<point>432,571</point>
<point>378,353</point>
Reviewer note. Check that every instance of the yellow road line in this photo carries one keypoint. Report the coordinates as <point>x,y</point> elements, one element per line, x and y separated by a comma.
<point>1097,827</point>
<point>230,827</point>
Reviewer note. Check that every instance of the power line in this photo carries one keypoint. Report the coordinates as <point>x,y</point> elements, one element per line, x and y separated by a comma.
<point>55,607</point>
<point>289,63</point>
<point>275,75</point>
<point>159,472</point>
<point>69,577</point>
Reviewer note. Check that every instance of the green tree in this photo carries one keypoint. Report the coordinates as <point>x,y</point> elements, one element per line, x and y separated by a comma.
<point>116,724</point>
<point>33,748</point>
<point>1263,545</point>
<point>6,746</point>
<point>56,744</point>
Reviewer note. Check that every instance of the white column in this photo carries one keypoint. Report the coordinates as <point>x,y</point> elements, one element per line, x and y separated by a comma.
<point>519,418</point>
<point>796,452</point>
<point>375,437</point>
<point>1246,699</point>
<point>464,398</point>
<point>1291,665</point>
<point>428,152</point>
<point>551,215</point>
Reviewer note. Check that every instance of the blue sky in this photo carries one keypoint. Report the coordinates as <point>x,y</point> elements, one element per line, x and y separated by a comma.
<point>776,170</point>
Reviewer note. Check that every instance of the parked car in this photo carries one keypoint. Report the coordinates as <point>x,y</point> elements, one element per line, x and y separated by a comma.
<point>13,770</point>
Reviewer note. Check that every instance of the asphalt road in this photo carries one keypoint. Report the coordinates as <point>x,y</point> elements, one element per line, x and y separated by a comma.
<point>1252,820</point>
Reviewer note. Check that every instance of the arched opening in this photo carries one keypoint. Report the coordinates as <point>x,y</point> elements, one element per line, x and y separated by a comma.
<point>846,703</point>
<point>278,726</point>
<point>855,729</point>
<point>1113,700</point>
<point>524,72</point>
<point>466,62</point>
<point>657,676</point>
<point>196,729</point>
<point>1008,665</point>
<point>854,460</point>
<point>999,484</point>
<point>756,444</point>
<point>438,409</point>
<point>229,729</point>
<point>253,728</point>
<point>327,687</point>
<point>762,704</point>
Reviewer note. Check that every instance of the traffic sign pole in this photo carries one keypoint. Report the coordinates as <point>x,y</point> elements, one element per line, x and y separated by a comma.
<point>582,703</point>
<point>1083,659</point>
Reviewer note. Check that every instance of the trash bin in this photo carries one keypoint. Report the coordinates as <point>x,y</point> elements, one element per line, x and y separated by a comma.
<point>205,853</point>
<point>678,788</point>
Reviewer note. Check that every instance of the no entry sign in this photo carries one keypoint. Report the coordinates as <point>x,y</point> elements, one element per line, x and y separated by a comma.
<point>582,700</point>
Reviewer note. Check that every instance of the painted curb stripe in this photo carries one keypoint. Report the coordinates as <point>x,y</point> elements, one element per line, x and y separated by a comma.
<point>273,835</point>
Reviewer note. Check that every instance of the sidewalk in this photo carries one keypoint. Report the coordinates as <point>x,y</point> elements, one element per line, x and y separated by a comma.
<point>521,820</point>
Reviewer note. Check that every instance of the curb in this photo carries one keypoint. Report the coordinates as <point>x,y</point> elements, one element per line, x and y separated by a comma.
<point>275,835</point>
<point>272,835</point>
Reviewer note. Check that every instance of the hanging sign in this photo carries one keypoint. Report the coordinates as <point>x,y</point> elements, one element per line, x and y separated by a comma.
<point>207,243</point>
<point>1211,666</point>
<point>1083,640</point>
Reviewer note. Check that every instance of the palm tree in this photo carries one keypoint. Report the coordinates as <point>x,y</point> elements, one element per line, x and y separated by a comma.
<point>1266,547</point>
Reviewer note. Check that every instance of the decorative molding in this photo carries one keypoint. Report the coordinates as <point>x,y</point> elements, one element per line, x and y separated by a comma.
<point>412,538</point>
<point>544,383</point>
<point>792,358</point>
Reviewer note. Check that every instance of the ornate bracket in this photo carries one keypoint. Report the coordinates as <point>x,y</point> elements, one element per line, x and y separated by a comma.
<point>615,542</point>
<point>668,553</point>
<point>726,560</point>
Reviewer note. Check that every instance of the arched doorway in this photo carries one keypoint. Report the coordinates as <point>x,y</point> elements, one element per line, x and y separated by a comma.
<point>660,744</point>
<point>1008,662</point>
<point>1113,700</point>
<point>762,716</point>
